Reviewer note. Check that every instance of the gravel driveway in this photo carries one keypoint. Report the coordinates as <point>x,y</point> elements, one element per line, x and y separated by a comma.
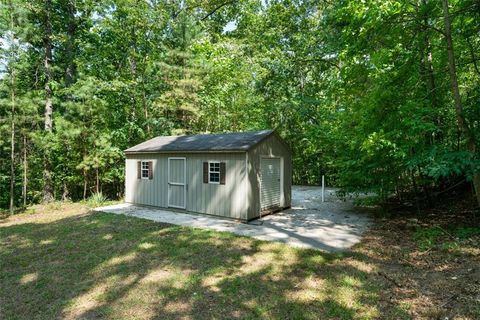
<point>333,225</point>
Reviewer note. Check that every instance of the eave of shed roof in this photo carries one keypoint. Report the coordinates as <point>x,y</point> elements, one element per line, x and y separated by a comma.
<point>224,142</point>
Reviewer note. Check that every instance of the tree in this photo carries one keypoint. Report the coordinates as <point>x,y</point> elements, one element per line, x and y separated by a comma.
<point>48,123</point>
<point>462,123</point>
<point>362,91</point>
<point>11,66</point>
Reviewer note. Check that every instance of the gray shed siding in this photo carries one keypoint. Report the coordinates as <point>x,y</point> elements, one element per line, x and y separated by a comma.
<point>271,146</point>
<point>227,200</point>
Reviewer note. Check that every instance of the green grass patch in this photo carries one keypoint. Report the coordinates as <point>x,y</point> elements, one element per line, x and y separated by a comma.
<point>367,200</point>
<point>99,200</point>
<point>427,238</point>
<point>78,265</point>
<point>467,232</point>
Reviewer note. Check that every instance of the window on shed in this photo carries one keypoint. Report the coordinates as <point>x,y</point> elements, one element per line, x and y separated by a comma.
<point>145,170</point>
<point>213,172</point>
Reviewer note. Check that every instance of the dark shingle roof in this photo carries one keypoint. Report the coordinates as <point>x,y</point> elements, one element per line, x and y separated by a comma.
<point>237,141</point>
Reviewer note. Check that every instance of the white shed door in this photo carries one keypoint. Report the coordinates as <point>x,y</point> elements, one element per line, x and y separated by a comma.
<point>176,183</point>
<point>270,177</point>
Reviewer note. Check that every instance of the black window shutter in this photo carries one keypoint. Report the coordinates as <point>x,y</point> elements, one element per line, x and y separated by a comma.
<point>150,170</point>
<point>139,169</point>
<point>222,172</point>
<point>205,172</point>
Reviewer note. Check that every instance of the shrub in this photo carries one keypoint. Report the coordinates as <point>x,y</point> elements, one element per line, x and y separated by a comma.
<point>97,199</point>
<point>426,238</point>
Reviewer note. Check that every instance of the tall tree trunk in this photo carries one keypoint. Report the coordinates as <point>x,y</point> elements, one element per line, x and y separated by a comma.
<point>85,184</point>
<point>476,186</point>
<point>47,44</point>
<point>25,179</point>
<point>12,137</point>
<point>462,124</point>
<point>71,68</point>
<point>97,177</point>
<point>429,74</point>
<point>415,190</point>
<point>65,193</point>
<point>132,58</point>
<point>426,64</point>
<point>473,56</point>
<point>145,106</point>
<point>12,146</point>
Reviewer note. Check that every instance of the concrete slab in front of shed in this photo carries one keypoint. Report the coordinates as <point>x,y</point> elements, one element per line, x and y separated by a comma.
<point>333,225</point>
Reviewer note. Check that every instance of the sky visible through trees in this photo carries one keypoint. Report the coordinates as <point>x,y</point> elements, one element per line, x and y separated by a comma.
<point>380,96</point>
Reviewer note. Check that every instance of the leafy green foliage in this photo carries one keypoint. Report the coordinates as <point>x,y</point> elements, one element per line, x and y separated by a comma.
<point>427,238</point>
<point>467,232</point>
<point>97,199</point>
<point>359,90</point>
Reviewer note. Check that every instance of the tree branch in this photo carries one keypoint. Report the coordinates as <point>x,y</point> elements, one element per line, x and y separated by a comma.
<point>472,54</point>
<point>216,9</point>
<point>329,62</point>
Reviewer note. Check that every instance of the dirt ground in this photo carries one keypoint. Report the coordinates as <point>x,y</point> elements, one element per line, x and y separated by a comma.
<point>424,267</point>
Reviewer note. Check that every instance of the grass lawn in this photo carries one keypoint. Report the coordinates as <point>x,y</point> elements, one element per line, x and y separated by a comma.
<point>65,262</point>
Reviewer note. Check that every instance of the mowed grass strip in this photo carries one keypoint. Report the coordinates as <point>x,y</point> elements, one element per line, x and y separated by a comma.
<point>66,262</point>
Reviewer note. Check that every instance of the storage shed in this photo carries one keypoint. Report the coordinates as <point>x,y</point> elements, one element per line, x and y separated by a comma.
<point>237,175</point>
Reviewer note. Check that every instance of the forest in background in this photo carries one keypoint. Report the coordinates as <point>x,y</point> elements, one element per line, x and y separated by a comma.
<point>380,96</point>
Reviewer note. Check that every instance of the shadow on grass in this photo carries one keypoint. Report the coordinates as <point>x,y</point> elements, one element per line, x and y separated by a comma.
<point>109,266</point>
